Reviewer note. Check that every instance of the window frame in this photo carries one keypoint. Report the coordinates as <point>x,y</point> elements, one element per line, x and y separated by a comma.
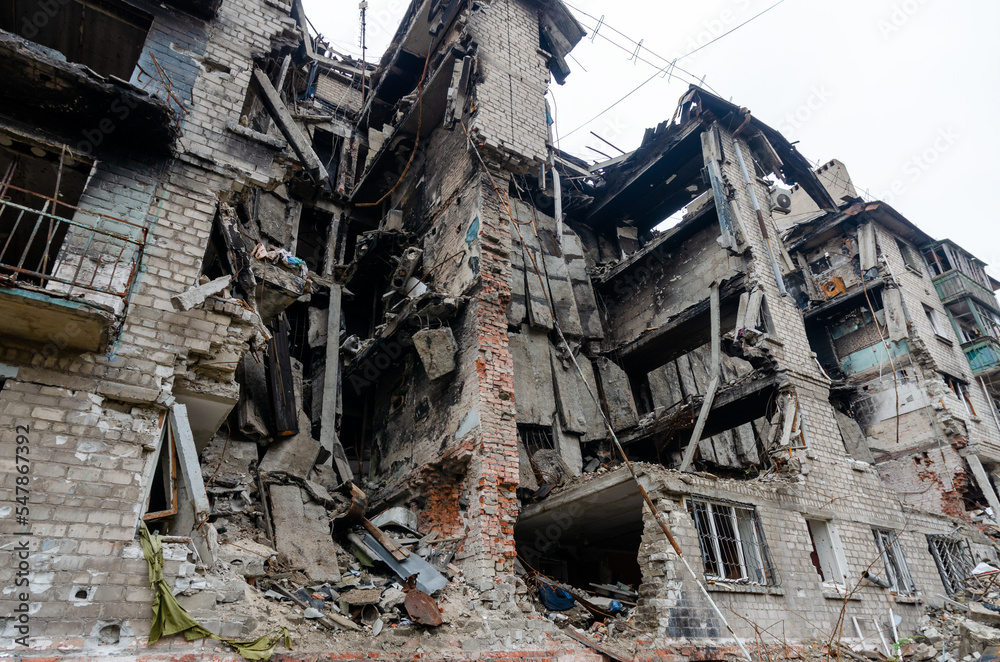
<point>937,326</point>
<point>171,477</point>
<point>911,260</point>
<point>707,512</point>
<point>897,572</point>
<point>956,554</point>
<point>835,553</point>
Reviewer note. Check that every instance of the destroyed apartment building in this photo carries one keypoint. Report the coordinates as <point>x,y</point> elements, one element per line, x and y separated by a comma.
<point>296,344</point>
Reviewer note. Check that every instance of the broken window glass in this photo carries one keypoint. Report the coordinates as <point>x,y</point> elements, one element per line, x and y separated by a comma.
<point>937,260</point>
<point>732,542</point>
<point>897,574</point>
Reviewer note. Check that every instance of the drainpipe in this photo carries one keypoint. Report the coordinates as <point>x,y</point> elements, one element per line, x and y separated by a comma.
<point>760,218</point>
<point>557,194</point>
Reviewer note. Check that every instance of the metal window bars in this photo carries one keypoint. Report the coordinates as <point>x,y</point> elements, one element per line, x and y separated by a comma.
<point>954,563</point>
<point>89,255</point>
<point>896,570</point>
<point>731,538</point>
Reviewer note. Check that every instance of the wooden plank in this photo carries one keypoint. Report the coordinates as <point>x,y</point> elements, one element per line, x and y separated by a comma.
<point>282,381</point>
<point>390,545</point>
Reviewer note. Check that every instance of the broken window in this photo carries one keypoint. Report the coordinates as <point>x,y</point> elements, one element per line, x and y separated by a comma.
<point>953,560</point>
<point>961,391</point>
<point>896,572</point>
<point>105,35</point>
<point>161,502</point>
<point>732,542</point>
<point>937,260</point>
<point>827,552</point>
<point>910,258</point>
<point>936,324</point>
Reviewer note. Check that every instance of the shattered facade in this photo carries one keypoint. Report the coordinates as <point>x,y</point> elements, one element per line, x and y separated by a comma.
<point>327,326</point>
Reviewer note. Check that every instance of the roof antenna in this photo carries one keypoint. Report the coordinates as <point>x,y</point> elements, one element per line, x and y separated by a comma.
<point>363,6</point>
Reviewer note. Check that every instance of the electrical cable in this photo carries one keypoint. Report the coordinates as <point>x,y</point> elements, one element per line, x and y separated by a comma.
<point>416,143</point>
<point>669,64</point>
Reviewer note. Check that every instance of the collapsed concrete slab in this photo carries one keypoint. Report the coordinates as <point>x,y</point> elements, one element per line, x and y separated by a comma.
<point>302,533</point>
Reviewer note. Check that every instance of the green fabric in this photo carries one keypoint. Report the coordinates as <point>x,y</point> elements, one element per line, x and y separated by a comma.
<point>170,618</point>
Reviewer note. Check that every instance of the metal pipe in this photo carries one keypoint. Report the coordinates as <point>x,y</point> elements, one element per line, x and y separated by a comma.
<point>557,194</point>
<point>760,218</point>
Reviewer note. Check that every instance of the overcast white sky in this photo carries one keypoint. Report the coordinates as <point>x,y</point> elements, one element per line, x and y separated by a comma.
<point>902,91</point>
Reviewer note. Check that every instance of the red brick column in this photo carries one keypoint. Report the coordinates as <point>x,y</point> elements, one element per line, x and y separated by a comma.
<point>493,472</point>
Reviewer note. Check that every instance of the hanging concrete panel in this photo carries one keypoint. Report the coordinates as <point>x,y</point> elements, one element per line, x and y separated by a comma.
<point>617,395</point>
<point>665,386</point>
<point>534,400</point>
<point>583,290</point>
<point>895,318</point>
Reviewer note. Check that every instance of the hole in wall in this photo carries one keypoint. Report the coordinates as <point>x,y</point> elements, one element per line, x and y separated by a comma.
<point>110,634</point>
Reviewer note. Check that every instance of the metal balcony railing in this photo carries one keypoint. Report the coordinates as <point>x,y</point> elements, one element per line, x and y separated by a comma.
<point>90,256</point>
<point>983,354</point>
<point>955,285</point>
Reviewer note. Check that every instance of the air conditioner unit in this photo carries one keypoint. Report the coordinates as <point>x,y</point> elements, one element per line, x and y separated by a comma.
<point>781,200</point>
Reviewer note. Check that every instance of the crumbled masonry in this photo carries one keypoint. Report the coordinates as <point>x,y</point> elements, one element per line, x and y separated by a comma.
<point>330,330</point>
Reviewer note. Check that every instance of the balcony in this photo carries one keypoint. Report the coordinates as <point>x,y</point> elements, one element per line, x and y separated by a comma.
<point>63,280</point>
<point>955,285</point>
<point>984,355</point>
